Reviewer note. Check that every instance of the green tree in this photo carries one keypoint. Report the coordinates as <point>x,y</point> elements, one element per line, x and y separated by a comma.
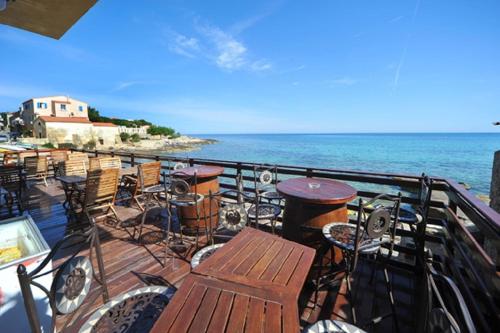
<point>124,136</point>
<point>135,137</point>
<point>161,130</point>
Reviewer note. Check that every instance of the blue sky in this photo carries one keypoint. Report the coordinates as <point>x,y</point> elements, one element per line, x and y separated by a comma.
<point>271,66</point>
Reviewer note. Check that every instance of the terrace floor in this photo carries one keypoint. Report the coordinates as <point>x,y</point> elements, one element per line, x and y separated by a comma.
<point>131,265</point>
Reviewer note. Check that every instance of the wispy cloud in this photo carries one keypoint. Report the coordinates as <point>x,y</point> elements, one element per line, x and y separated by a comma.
<point>343,81</point>
<point>126,84</point>
<point>182,45</point>
<point>219,47</point>
<point>396,19</point>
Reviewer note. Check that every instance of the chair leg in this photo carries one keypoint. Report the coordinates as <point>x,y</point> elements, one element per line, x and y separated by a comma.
<point>118,222</point>
<point>350,296</point>
<point>391,299</point>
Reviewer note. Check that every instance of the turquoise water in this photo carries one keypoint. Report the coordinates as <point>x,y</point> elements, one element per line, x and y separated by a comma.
<point>465,157</point>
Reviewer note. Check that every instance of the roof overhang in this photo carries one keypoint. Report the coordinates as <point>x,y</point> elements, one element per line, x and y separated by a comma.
<point>50,18</point>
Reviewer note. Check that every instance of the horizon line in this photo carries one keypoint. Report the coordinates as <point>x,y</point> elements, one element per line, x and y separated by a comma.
<point>335,133</point>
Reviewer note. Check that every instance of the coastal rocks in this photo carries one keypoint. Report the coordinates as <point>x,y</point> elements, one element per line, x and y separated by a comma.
<point>180,144</point>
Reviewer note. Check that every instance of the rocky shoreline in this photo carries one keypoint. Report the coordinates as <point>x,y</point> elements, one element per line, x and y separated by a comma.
<point>181,144</point>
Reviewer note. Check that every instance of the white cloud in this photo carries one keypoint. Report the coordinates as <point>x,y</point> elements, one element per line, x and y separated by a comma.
<point>182,45</point>
<point>219,47</point>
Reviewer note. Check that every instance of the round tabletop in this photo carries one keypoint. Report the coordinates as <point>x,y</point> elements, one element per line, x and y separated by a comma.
<point>202,171</point>
<point>317,190</point>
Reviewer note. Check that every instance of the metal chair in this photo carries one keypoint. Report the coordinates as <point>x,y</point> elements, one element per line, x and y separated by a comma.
<point>72,282</point>
<point>183,194</point>
<point>11,186</point>
<point>265,179</point>
<point>36,168</point>
<point>366,237</point>
<point>442,307</point>
<point>100,192</point>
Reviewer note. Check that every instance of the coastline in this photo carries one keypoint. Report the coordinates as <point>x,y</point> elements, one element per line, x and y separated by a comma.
<point>183,143</point>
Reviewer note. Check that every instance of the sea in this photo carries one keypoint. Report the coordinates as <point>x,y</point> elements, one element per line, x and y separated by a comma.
<point>464,157</point>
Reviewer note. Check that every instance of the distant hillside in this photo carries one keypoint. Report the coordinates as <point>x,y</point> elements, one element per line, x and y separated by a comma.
<point>153,129</point>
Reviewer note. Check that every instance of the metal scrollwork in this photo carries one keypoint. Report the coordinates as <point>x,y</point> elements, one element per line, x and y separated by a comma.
<point>378,223</point>
<point>266,177</point>
<point>179,166</point>
<point>179,187</point>
<point>233,217</point>
<point>72,284</point>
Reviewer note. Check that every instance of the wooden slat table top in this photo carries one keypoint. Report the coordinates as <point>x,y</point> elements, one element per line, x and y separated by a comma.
<point>205,304</point>
<point>260,260</point>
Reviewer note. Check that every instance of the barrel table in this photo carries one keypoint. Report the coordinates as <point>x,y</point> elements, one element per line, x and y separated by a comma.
<point>207,180</point>
<point>313,202</point>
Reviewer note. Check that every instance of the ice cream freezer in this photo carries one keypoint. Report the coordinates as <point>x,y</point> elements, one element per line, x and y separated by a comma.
<point>22,243</point>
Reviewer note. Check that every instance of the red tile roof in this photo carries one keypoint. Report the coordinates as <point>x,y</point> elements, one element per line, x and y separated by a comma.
<point>104,124</point>
<point>49,119</point>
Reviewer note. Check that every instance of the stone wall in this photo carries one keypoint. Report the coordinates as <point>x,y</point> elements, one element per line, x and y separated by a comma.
<point>495,183</point>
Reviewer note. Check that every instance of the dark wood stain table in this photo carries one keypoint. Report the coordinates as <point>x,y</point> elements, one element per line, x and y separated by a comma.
<point>251,284</point>
<point>207,179</point>
<point>313,202</point>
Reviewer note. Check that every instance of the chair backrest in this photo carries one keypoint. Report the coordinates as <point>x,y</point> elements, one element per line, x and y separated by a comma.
<point>377,224</point>
<point>264,176</point>
<point>58,156</point>
<point>36,165</point>
<point>425,195</point>
<point>22,155</point>
<point>73,278</point>
<point>110,163</point>
<point>446,309</point>
<point>73,168</point>
<point>78,156</point>
<point>10,175</point>
<point>149,174</point>
<point>94,163</point>
<point>101,187</point>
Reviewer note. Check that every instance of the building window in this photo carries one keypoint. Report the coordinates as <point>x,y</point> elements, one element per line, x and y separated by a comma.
<point>80,108</point>
<point>63,107</point>
<point>41,105</point>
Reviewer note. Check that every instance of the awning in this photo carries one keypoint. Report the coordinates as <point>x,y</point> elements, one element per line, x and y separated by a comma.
<point>50,18</point>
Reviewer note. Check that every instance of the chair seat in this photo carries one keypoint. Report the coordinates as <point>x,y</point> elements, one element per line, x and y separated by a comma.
<point>342,235</point>
<point>266,211</point>
<point>332,326</point>
<point>154,189</point>
<point>204,253</point>
<point>147,303</point>
<point>271,195</point>
<point>186,200</point>
<point>408,216</point>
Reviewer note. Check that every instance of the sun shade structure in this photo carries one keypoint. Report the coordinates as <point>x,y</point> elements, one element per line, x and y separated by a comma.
<point>50,18</point>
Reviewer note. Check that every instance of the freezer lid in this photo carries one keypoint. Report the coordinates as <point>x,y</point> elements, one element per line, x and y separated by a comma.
<point>20,240</point>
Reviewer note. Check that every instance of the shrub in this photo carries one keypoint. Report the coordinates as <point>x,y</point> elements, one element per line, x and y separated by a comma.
<point>67,146</point>
<point>48,145</point>
<point>124,136</point>
<point>135,137</point>
<point>160,130</point>
<point>90,145</point>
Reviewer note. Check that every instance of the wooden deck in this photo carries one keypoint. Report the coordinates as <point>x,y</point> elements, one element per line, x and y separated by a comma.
<point>130,265</point>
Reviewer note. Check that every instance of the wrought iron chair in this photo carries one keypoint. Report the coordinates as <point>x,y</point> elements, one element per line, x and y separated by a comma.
<point>11,186</point>
<point>442,307</point>
<point>71,286</point>
<point>233,216</point>
<point>265,179</point>
<point>366,237</point>
<point>36,168</point>
<point>183,194</point>
<point>100,192</point>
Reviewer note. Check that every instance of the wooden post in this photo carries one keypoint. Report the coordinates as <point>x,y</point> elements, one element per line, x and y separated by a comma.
<point>495,183</point>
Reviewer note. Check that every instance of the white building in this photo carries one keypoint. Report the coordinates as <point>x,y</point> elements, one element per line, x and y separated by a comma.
<point>141,131</point>
<point>54,106</point>
<point>75,130</point>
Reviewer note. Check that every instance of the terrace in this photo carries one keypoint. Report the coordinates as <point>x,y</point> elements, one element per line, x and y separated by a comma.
<point>461,233</point>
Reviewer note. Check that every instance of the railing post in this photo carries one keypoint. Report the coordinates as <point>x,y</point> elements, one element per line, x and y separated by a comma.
<point>239,183</point>
<point>309,172</point>
<point>191,162</point>
<point>495,183</point>
<point>96,153</point>
<point>132,159</point>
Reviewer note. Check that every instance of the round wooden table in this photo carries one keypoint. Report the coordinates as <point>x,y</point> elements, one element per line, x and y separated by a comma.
<point>207,181</point>
<point>313,202</point>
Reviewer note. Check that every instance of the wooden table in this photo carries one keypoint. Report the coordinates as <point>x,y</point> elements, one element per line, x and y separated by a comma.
<point>206,181</point>
<point>313,202</point>
<point>251,284</point>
